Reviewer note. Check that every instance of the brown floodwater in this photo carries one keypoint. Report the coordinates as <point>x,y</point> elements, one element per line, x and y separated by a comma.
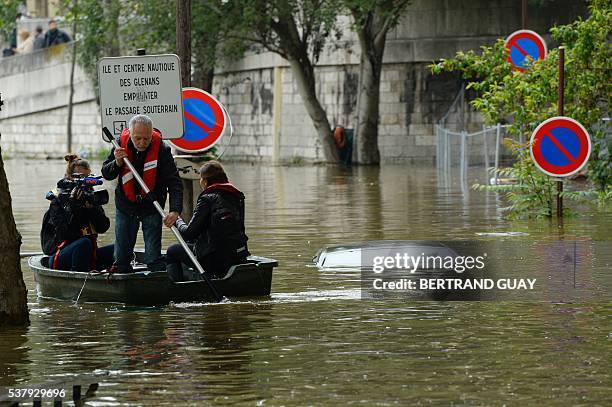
<point>315,341</point>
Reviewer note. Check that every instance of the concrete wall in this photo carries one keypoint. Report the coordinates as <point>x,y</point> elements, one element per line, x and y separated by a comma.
<point>412,99</point>
<point>35,89</point>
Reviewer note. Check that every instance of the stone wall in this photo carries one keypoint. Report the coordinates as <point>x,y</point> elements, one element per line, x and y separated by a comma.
<point>270,122</point>
<point>412,100</point>
<point>35,89</point>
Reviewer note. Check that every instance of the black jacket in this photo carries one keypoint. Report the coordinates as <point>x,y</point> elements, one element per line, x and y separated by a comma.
<point>167,182</point>
<point>64,221</point>
<point>217,225</point>
<point>56,37</point>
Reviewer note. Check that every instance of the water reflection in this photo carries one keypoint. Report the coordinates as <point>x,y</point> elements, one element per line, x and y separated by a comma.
<point>15,359</point>
<point>314,340</point>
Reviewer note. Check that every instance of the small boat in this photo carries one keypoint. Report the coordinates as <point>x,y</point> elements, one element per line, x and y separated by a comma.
<point>144,287</point>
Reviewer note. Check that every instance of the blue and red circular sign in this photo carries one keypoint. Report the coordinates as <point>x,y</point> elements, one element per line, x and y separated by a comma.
<point>560,146</point>
<point>205,121</point>
<point>522,45</point>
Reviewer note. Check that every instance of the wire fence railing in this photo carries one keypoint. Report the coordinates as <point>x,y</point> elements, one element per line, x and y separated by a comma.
<point>459,150</point>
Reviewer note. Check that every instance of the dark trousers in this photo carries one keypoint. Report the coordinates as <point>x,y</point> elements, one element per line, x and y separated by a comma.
<point>126,231</point>
<point>215,264</point>
<point>77,256</point>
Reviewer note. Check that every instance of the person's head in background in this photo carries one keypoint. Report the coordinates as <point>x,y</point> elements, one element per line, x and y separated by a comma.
<point>212,172</point>
<point>52,25</point>
<point>141,131</point>
<point>23,35</point>
<point>76,165</point>
<point>39,30</point>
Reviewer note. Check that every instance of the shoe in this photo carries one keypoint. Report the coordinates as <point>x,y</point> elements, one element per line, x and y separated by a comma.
<point>120,269</point>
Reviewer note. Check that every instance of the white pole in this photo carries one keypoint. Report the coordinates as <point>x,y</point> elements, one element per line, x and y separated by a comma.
<point>463,170</point>
<point>497,147</point>
<point>486,150</point>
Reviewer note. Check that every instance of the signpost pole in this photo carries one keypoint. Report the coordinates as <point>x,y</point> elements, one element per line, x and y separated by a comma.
<point>524,14</point>
<point>183,49</point>
<point>560,113</point>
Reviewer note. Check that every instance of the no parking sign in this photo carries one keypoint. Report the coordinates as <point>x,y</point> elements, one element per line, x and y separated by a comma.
<point>205,121</point>
<point>560,146</point>
<point>522,44</point>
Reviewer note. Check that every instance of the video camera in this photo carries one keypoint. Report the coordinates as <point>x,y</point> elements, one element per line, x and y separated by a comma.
<point>86,186</point>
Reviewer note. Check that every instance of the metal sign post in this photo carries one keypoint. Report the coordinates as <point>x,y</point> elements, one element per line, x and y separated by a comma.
<point>560,146</point>
<point>560,113</point>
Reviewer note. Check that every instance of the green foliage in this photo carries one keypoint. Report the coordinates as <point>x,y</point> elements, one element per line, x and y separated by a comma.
<point>151,24</point>
<point>8,11</point>
<point>602,198</point>
<point>590,82</point>
<point>113,27</point>
<point>296,160</point>
<point>534,193</point>
<point>525,99</point>
<point>388,12</point>
<point>294,29</point>
<point>97,31</point>
<point>211,23</point>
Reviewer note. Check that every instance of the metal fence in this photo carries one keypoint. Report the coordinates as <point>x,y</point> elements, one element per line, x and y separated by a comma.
<point>459,150</point>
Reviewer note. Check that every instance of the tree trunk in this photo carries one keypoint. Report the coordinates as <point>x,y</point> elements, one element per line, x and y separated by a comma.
<point>304,75</point>
<point>368,97</point>
<point>183,39</point>
<point>13,293</point>
<point>203,70</point>
<point>203,77</point>
<point>183,50</point>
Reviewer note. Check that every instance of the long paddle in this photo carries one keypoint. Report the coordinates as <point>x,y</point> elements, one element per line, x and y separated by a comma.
<point>30,254</point>
<point>108,137</point>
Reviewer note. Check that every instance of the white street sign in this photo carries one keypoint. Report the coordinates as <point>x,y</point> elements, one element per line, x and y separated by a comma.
<point>148,84</point>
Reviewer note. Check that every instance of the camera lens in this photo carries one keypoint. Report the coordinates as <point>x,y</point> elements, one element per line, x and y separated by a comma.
<point>100,197</point>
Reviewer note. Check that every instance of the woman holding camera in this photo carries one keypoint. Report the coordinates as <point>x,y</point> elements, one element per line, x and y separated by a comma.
<point>71,225</point>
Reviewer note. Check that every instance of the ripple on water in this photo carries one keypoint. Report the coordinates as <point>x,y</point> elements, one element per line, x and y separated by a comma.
<point>313,340</point>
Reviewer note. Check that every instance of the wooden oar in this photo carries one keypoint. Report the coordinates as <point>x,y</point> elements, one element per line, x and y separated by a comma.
<point>108,137</point>
<point>30,254</point>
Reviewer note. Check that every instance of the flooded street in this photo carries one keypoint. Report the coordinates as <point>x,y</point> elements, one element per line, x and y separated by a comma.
<point>315,341</point>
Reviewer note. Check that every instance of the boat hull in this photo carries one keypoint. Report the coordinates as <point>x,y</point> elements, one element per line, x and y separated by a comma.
<point>252,279</point>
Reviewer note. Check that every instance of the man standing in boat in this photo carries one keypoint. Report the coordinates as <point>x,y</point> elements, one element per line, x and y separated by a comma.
<point>152,158</point>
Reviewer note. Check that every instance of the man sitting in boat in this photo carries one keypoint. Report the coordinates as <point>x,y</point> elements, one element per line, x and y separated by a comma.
<point>152,158</point>
<point>217,227</point>
<point>71,225</point>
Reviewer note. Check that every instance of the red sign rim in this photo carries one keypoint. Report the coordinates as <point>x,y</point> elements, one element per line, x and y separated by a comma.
<point>532,35</point>
<point>216,133</point>
<point>565,170</point>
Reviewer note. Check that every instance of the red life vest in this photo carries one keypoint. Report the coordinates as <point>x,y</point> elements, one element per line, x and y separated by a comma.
<point>149,174</point>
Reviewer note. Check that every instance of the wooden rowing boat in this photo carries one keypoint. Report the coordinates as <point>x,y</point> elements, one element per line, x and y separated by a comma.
<point>144,287</point>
